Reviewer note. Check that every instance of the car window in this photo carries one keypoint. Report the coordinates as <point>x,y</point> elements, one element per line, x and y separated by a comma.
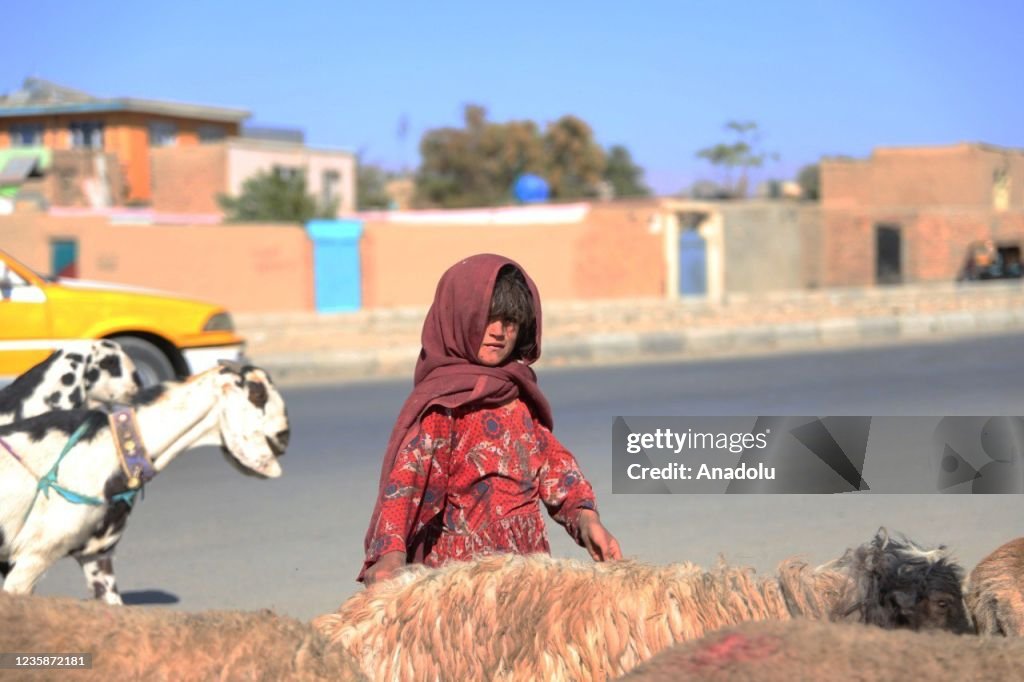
<point>13,287</point>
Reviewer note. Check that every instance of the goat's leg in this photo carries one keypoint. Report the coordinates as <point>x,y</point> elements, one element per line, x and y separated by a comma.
<point>25,572</point>
<point>98,569</point>
<point>99,575</point>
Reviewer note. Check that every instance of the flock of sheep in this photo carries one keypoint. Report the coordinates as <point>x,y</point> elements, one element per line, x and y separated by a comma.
<point>540,618</point>
<point>887,609</point>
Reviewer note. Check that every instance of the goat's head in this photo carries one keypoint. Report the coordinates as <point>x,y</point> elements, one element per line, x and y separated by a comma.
<point>902,585</point>
<point>253,420</point>
<point>109,374</point>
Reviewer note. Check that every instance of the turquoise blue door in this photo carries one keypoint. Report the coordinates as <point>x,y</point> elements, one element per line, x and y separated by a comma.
<point>64,257</point>
<point>336,264</point>
<point>692,264</point>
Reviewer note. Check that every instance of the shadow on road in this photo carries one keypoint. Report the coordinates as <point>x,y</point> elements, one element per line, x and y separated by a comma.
<point>141,597</point>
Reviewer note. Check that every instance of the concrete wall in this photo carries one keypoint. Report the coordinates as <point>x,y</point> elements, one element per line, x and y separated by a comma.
<point>575,252</point>
<point>765,247</point>
<point>751,246</point>
<point>242,267</point>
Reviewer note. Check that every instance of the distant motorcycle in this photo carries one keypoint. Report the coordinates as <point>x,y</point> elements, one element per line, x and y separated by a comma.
<point>987,260</point>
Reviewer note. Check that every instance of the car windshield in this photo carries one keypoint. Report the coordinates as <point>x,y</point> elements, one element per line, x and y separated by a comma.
<point>7,257</point>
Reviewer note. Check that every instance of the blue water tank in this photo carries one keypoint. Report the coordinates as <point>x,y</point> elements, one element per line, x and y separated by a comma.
<point>531,189</point>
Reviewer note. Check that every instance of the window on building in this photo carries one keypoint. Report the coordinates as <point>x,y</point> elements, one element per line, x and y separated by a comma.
<point>26,135</point>
<point>286,172</point>
<point>162,134</point>
<point>86,135</point>
<point>209,132</point>
<point>330,189</point>
<point>888,254</point>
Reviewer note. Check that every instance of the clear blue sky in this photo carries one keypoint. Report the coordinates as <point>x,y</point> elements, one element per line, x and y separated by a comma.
<point>662,78</point>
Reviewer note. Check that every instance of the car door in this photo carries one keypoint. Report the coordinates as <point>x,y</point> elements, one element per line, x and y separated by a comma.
<point>25,326</point>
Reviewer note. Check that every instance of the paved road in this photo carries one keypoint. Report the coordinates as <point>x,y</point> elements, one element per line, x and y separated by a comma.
<point>206,537</point>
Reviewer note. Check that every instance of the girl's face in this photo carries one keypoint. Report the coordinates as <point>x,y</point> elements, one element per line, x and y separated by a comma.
<point>499,342</point>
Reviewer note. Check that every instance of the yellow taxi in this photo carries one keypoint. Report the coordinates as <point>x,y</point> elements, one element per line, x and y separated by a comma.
<point>168,337</point>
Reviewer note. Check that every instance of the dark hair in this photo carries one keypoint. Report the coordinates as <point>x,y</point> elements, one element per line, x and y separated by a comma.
<point>512,302</point>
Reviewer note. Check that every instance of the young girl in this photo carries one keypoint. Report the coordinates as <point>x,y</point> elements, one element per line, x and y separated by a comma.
<point>472,451</point>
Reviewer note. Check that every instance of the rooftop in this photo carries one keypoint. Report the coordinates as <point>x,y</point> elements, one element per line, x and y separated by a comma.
<point>41,97</point>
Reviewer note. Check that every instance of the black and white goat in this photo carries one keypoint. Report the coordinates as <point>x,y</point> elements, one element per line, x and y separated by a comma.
<point>235,407</point>
<point>70,379</point>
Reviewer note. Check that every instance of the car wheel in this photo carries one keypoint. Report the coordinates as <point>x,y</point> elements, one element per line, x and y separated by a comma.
<point>153,366</point>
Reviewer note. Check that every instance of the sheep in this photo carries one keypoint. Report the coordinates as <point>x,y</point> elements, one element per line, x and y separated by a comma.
<point>806,650</point>
<point>154,644</point>
<point>95,372</point>
<point>902,585</point>
<point>995,591</point>
<point>235,407</point>
<point>520,617</point>
<point>514,617</point>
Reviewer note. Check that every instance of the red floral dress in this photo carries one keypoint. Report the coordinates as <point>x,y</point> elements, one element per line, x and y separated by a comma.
<point>469,484</point>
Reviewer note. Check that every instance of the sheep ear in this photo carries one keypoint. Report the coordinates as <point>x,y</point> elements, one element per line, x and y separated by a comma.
<point>882,537</point>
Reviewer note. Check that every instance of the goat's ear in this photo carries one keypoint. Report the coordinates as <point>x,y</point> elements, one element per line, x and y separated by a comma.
<point>257,393</point>
<point>227,380</point>
<point>231,366</point>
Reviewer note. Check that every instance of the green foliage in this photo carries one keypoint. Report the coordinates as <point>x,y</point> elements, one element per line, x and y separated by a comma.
<point>371,187</point>
<point>625,177</point>
<point>575,163</point>
<point>477,164</point>
<point>274,197</point>
<point>743,153</point>
<point>809,179</point>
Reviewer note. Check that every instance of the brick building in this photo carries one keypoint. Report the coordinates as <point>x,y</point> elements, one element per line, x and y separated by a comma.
<point>169,156</point>
<point>46,115</point>
<point>188,179</point>
<point>911,214</point>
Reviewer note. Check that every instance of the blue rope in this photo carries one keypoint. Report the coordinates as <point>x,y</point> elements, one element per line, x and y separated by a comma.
<point>128,496</point>
<point>50,479</point>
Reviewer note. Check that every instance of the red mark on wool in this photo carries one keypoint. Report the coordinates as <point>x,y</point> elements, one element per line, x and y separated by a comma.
<point>733,647</point>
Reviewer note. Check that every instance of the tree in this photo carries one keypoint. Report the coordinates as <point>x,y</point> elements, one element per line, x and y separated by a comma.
<point>809,179</point>
<point>626,178</point>
<point>743,153</point>
<point>274,197</point>
<point>575,163</point>
<point>478,164</point>
<point>371,186</point>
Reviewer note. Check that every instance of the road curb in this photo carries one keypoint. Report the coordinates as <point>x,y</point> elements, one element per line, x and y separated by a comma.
<point>626,347</point>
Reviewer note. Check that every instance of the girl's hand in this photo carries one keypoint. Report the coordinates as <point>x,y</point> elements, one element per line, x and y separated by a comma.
<point>595,538</point>
<point>385,567</point>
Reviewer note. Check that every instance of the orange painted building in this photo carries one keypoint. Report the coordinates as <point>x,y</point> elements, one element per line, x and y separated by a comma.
<point>46,115</point>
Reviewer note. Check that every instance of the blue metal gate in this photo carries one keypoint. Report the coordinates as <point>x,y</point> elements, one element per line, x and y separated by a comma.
<point>64,257</point>
<point>692,264</point>
<point>336,269</point>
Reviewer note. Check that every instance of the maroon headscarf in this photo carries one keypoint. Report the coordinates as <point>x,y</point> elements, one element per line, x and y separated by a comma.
<point>448,372</point>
